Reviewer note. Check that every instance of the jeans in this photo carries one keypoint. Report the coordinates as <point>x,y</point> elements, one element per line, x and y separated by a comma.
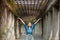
<point>29,37</point>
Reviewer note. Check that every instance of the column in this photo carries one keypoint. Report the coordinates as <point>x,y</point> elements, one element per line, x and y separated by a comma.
<point>47,28</point>
<point>59,24</point>
<point>17,28</point>
<point>7,25</point>
<point>55,24</point>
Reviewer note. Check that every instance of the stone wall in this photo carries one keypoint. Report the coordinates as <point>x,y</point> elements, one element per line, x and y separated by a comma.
<point>51,25</point>
<point>17,27</point>
<point>59,25</point>
<point>7,25</point>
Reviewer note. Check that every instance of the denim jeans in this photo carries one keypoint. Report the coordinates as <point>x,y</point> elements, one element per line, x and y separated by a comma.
<point>29,37</point>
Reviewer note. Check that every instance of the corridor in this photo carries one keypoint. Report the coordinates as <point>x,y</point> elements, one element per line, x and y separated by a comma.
<point>47,28</point>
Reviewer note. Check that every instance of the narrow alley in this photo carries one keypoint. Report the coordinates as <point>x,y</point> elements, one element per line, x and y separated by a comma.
<point>46,11</point>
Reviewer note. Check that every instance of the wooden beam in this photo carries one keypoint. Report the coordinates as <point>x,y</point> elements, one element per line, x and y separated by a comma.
<point>51,3</point>
<point>49,6</point>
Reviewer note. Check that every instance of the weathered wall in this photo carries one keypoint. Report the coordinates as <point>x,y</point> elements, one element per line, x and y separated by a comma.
<point>51,25</point>
<point>59,25</point>
<point>7,25</point>
<point>17,27</point>
<point>47,26</point>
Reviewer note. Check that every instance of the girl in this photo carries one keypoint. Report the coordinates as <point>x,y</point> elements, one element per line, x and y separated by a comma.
<point>29,29</point>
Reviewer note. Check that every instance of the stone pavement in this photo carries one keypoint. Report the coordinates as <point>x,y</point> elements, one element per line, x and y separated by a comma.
<point>35,37</point>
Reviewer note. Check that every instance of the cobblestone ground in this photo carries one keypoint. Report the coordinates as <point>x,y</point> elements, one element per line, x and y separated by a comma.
<point>35,37</point>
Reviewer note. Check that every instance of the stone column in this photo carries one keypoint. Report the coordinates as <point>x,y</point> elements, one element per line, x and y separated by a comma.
<point>59,20</point>
<point>47,28</point>
<point>55,24</point>
<point>59,24</point>
<point>38,30</point>
<point>10,29</point>
<point>3,24</point>
<point>7,25</point>
<point>49,36</point>
<point>16,28</point>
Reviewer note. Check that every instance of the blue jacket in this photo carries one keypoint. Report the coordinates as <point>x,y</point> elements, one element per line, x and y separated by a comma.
<point>29,30</point>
